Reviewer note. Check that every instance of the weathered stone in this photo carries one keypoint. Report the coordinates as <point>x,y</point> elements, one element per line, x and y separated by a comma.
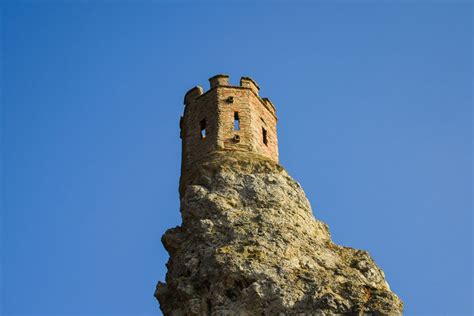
<point>249,245</point>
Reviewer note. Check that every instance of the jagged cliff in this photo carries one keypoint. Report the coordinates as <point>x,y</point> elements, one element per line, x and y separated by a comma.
<point>249,245</point>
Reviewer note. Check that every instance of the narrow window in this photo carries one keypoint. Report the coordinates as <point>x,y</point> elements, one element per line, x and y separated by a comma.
<point>264,134</point>
<point>236,121</point>
<point>202,125</point>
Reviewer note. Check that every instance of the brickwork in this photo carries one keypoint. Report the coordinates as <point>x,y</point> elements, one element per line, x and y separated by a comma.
<point>209,122</point>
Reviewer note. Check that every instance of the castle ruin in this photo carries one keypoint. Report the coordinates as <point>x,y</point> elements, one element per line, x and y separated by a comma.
<point>226,117</point>
<point>249,243</point>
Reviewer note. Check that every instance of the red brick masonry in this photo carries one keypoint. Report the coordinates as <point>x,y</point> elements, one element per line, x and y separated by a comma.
<point>208,123</point>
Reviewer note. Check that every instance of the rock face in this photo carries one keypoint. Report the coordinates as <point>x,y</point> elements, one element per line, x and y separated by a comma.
<point>249,245</point>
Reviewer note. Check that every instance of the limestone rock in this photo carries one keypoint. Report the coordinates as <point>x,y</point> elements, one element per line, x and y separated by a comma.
<point>250,245</point>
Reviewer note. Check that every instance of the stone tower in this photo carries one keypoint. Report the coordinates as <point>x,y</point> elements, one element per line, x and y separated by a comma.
<point>226,118</point>
<point>248,243</point>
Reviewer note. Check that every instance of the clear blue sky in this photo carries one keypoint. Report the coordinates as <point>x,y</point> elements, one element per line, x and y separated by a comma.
<point>375,108</point>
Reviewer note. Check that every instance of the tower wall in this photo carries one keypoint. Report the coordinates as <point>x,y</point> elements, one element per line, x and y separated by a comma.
<point>253,114</point>
<point>195,147</point>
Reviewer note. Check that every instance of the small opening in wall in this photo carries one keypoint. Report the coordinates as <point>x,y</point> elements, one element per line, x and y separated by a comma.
<point>202,125</point>
<point>265,137</point>
<point>236,121</point>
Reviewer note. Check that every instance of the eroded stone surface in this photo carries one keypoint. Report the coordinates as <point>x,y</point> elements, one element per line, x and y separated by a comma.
<point>249,245</point>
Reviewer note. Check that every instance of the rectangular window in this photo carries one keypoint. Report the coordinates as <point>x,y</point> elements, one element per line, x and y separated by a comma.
<point>265,137</point>
<point>202,125</point>
<point>236,121</point>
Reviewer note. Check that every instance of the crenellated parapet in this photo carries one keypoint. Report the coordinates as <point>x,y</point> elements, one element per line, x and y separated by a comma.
<point>222,80</point>
<point>192,94</point>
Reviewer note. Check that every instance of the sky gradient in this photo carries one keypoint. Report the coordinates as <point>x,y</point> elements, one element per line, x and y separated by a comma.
<point>375,121</point>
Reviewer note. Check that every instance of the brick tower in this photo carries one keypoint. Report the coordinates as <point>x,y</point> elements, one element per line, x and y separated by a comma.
<point>233,118</point>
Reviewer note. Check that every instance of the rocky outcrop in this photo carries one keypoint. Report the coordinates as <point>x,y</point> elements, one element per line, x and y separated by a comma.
<point>249,245</point>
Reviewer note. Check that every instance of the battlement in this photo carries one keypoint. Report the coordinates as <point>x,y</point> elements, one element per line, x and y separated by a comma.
<point>192,94</point>
<point>248,82</point>
<point>219,80</point>
<point>222,80</point>
<point>226,117</point>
